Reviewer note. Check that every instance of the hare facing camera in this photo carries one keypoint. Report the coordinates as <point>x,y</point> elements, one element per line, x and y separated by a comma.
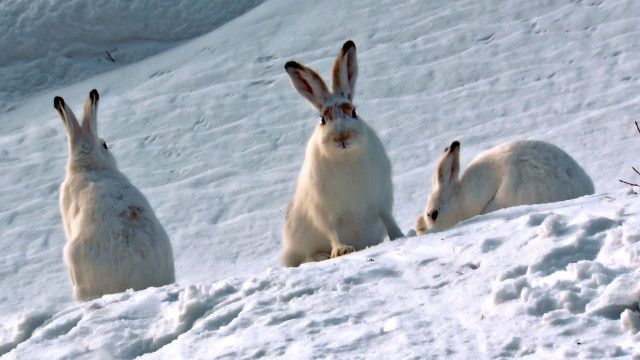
<point>114,241</point>
<point>343,199</point>
<point>511,174</point>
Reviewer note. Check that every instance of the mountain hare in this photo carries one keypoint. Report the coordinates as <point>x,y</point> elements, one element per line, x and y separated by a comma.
<point>344,197</point>
<point>517,173</point>
<point>114,241</point>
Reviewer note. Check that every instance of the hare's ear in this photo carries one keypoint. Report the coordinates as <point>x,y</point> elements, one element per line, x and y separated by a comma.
<point>449,165</point>
<point>308,83</point>
<point>68,118</point>
<point>90,117</point>
<point>345,71</point>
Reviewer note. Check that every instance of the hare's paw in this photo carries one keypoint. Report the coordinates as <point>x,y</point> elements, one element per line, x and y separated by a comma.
<point>341,250</point>
<point>420,225</point>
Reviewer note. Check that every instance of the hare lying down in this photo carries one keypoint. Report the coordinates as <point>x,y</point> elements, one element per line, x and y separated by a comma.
<point>114,241</point>
<point>517,173</point>
<point>344,197</point>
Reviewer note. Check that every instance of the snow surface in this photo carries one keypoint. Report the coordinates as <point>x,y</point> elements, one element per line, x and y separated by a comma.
<point>55,42</point>
<point>211,131</point>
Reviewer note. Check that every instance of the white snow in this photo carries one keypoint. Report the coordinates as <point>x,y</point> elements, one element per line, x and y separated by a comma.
<point>211,131</point>
<point>51,43</point>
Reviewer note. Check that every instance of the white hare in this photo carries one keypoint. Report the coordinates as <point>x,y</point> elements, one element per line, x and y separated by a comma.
<point>114,241</point>
<point>344,197</point>
<point>511,174</point>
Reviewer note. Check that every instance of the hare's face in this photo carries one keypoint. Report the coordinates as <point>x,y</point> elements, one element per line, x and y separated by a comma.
<point>340,129</point>
<point>442,210</point>
<point>439,214</point>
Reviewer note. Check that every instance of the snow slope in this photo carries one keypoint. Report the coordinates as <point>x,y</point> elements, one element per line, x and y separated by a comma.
<point>213,134</point>
<point>555,293</point>
<point>54,42</point>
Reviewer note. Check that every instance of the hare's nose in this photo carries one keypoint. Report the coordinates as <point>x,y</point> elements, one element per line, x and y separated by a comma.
<point>433,215</point>
<point>344,136</point>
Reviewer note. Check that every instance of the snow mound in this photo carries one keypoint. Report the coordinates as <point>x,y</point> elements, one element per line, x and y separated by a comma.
<point>53,43</point>
<point>440,295</point>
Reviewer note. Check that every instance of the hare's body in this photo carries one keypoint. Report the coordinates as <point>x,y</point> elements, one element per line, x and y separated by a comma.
<point>114,241</point>
<point>523,172</point>
<point>344,197</point>
<point>511,174</point>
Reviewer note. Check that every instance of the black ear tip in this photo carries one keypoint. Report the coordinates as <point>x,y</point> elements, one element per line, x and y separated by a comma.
<point>58,102</point>
<point>348,45</point>
<point>292,65</point>
<point>94,95</point>
<point>454,145</point>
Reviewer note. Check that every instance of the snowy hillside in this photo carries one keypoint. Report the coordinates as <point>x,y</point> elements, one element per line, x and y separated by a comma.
<point>52,43</point>
<point>211,131</point>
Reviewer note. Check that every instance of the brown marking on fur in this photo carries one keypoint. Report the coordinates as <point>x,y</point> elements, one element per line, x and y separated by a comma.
<point>328,112</point>
<point>339,65</point>
<point>350,69</point>
<point>346,108</point>
<point>299,71</point>
<point>133,213</point>
<point>442,166</point>
<point>335,72</point>
<point>319,81</point>
<point>304,82</point>
<point>343,137</point>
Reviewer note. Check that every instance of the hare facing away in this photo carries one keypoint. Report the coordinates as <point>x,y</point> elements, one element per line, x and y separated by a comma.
<point>511,174</point>
<point>344,197</point>
<point>114,241</point>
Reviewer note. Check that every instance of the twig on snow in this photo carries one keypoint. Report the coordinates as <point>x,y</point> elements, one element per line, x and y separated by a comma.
<point>628,183</point>
<point>110,58</point>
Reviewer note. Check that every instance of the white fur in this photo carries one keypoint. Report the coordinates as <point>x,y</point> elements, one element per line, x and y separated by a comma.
<point>511,174</point>
<point>343,199</point>
<point>114,241</point>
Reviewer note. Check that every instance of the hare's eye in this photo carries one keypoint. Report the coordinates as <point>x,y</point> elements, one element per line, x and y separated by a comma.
<point>353,113</point>
<point>104,145</point>
<point>322,120</point>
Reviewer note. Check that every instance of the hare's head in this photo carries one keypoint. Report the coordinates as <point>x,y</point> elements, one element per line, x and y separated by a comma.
<point>86,150</point>
<point>340,130</point>
<point>441,211</point>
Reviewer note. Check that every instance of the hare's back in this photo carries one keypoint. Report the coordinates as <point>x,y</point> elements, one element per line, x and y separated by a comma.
<point>116,205</point>
<point>542,172</point>
<point>119,218</point>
